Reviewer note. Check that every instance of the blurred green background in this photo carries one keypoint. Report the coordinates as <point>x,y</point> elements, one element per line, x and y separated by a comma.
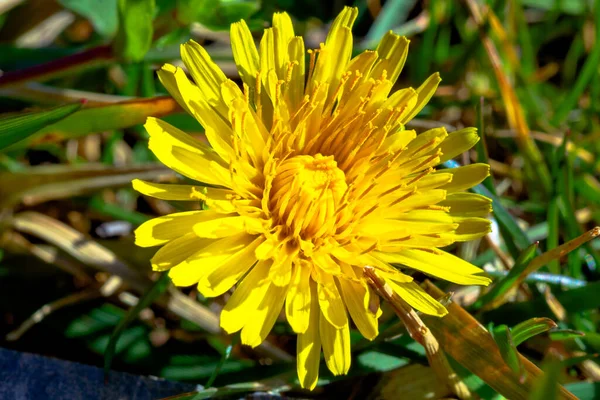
<point>78,80</point>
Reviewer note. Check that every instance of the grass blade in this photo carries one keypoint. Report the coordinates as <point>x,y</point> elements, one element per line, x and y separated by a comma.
<point>547,387</point>
<point>14,129</point>
<point>153,293</point>
<point>104,118</point>
<point>501,288</point>
<point>508,350</point>
<point>530,328</point>
<point>589,70</point>
<point>514,111</point>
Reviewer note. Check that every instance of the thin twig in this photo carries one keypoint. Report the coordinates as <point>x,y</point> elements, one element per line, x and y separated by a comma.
<point>504,258</point>
<point>47,309</point>
<point>421,334</point>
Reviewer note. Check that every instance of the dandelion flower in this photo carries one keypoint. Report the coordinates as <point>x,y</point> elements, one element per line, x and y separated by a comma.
<point>310,176</point>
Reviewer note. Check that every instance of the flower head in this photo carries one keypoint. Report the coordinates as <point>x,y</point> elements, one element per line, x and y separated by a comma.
<point>312,176</point>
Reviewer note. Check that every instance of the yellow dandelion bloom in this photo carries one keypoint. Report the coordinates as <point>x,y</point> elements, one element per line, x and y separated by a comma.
<point>310,175</point>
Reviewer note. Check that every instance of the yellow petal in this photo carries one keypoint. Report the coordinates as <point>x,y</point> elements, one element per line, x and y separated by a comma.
<point>244,53</point>
<point>295,87</point>
<point>335,54</point>
<point>185,274</point>
<point>426,217</point>
<point>267,248</point>
<point>330,301</point>
<point>439,264</point>
<point>418,200</point>
<point>220,226</point>
<point>165,191</point>
<point>418,299</point>
<point>470,229</point>
<point>262,319</point>
<point>298,300</point>
<point>466,177</point>
<point>284,32</point>
<point>249,129</point>
<point>399,228</point>
<point>356,297</point>
<point>160,230</point>
<point>184,154</point>
<point>207,75</point>
<point>397,141</point>
<point>392,51</point>
<point>425,142</point>
<point>224,272</point>
<point>167,76</point>
<point>177,251</point>
<point>268,58</point>
<point>363,62</point>
<point>336,346</point>
<point>208,258</point>
<point>216,127</point>
<point>418,241</point>
<point>219,200</point>
<point>246,298</point>
<point>282,270</point>
<point>308,345</point>
<point>468,204</point>
<point>425,91</point>
<point>326,263</point>
<point>458,142</point>
<point>413,165</point>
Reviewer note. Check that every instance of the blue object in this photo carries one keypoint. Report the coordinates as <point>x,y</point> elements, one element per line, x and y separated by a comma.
<point>25,376</point>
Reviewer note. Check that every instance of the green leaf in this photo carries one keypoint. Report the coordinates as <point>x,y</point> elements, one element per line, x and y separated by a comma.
<point>553,233</point>
<point>18,127</point>
<point>216,14</point>
<point>393,14</point>
<point>373,360</point>
<point>502,286</point>
<point>530,328</point>
<point>146,300</point>
<point>94,321</point>
<point>219,366</point>
<point>104,118</point>
<point>588,187</point>
<point>585,390</point>
<point>134,36</point>
<point>508,349</point>
<point>101,13</point>
<point>546,386</point>
<point>565,334</point>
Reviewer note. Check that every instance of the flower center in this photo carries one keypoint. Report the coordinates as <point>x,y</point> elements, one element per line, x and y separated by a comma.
<point>306,193</point>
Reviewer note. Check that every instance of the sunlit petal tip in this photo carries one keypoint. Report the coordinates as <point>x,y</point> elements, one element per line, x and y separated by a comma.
<point>182,277</point>
<point>168,68</point>
<point>418,298</point>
